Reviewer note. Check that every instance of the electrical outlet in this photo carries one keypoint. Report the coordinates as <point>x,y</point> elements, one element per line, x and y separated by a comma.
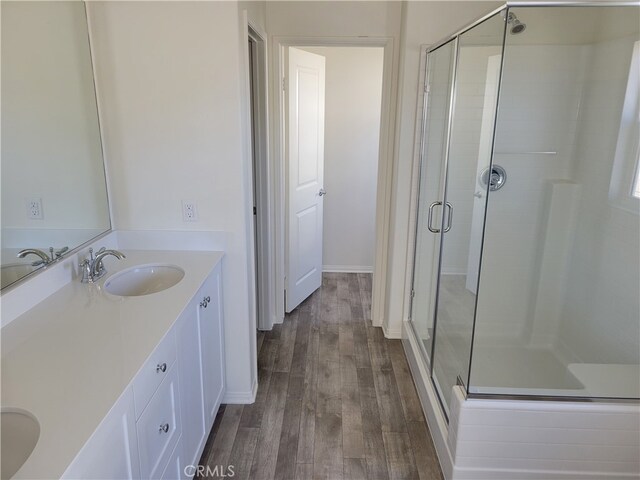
<point>34,209</point>
<point>189,211</point>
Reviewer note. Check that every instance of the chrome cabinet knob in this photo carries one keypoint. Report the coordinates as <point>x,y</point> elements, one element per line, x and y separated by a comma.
<point>164,428</point>
<point>205,302</point>
<point>161,367</point>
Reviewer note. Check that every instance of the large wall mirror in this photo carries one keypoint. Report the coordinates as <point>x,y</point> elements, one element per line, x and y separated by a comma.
<point>53,187</point>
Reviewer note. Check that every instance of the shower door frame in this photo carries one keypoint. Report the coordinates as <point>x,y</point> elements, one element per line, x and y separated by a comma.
<point>444,177</point>
<point>416,195</point>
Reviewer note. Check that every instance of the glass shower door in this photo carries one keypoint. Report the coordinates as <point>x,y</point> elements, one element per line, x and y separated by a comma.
<point>467,178</point>
<point>437,103</point>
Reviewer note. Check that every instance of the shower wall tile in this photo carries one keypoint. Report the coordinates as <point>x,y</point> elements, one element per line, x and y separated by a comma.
<point>543,440</point>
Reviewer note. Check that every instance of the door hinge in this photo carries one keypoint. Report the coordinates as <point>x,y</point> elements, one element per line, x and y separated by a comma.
<point>413,293</point>
<point>255,211</point>
<point>284,84</point>
<point>427,88</point>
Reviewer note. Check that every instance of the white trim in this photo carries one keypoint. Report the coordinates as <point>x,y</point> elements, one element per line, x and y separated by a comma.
<point>347,268</point>
<point>626,163</point>
<point>264,236</point>
<point>414,187</point>
<point>241,398</point>
<point>394,333</point>
<point>428,399</point>
<point>385,161</point>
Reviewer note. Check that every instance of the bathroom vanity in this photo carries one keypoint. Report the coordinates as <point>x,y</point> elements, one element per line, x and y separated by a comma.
<point>121,386</point>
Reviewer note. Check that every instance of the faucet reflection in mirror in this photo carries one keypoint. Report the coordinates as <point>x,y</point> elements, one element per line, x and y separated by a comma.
<point>53,185</point>
<point>44,258</point>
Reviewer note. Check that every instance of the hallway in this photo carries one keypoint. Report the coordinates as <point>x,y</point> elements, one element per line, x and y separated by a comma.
<point>335,399</point>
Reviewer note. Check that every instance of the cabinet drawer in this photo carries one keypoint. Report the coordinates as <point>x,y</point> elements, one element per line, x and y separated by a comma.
<point>159,427</point>
<point>153,372</point>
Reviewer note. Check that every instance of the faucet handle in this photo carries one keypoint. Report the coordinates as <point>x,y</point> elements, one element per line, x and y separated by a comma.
<point>62,251</point>
<point>85,269</point>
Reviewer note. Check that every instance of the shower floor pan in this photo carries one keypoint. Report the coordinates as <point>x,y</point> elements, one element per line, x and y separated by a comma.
<point>521,371</point>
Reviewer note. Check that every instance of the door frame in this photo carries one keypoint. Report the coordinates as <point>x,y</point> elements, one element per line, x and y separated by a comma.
<point>264,257</point>
<point>385,161</point>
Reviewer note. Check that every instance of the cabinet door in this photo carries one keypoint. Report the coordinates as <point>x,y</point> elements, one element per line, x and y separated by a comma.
<point>112,451</point>
<point>175,467</point>
<point>212,338</point>
<point>194,430</point>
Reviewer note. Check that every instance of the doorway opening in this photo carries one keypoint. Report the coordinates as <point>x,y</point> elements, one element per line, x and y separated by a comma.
<point>332,105</point>
<point>256,48</point>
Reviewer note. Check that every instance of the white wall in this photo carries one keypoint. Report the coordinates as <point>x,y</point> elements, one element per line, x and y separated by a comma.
<point>170,85</point>
<point>539,100</point>
<point>601,314</point>
<point>353,95</point>
<point>348,18</point>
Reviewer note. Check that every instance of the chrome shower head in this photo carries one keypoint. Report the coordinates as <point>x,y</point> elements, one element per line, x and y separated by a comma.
<point>515,25</point>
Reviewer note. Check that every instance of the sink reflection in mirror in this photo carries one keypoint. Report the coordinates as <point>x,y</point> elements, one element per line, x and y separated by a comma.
<point>53,185</point>
<point>20,434</point>
<point>143,280</point>
<point>12,272</point>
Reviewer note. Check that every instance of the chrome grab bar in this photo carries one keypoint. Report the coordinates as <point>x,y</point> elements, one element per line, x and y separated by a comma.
<point>430,218</point>
<point>449,217</point>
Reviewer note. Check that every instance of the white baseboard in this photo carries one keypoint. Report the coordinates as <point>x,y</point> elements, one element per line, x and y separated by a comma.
<point>241,398</point>
<point>347,269</point>
<point>395,333</point>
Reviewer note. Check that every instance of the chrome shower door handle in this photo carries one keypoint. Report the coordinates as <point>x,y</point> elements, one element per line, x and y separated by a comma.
<point>430,217</point>
<point>449,217</point>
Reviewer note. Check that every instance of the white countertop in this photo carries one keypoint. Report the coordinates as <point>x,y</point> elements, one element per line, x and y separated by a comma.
<point>68,359</point>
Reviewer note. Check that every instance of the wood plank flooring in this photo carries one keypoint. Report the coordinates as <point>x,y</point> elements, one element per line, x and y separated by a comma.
<point>335,399</point>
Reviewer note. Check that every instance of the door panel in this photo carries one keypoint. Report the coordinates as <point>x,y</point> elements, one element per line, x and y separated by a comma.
<point>305,175</point>
<point>465,197</point>
<point>439,83</point>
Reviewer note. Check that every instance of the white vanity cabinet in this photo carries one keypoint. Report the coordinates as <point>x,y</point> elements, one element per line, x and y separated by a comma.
<point>112,451</point>
<point>201,365</point>
<point>160,424</point>
<point>210,317</point>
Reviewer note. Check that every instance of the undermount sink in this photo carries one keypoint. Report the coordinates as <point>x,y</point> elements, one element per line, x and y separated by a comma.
<point>143,280</point>
<point>20,433</point>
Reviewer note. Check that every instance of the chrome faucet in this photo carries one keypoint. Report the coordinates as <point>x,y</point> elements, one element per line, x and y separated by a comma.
<point>92,268</point>
<point>44,258</point>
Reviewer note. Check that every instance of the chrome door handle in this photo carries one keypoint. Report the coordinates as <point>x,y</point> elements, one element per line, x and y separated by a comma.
<point>164,428</point>
<point>322,192</point>
<point>430,217</point>
<point>161,367</point>
<point>449,217</point>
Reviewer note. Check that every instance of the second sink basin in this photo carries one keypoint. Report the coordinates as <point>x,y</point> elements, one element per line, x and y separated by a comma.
<point>143,280</point>
<point>20,433</point>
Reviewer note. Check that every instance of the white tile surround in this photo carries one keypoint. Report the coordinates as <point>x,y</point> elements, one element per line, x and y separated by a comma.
<point>528,440</point>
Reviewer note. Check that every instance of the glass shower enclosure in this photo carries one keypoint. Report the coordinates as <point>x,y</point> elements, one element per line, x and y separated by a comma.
<point>526,273</point>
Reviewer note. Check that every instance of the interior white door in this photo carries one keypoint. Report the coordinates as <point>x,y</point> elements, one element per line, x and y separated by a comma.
<point>305,174</point>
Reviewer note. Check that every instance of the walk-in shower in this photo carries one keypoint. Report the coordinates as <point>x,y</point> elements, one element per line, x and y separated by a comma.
<point>526,271</point>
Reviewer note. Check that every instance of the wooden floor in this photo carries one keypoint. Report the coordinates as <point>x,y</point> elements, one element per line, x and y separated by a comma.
<point>335,399</point>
